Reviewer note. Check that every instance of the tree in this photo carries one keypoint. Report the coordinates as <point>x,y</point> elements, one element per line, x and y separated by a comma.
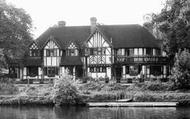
<point>15,26</point>
<point>65,92</point>
<point>173,26</point>
<point>181,70</point>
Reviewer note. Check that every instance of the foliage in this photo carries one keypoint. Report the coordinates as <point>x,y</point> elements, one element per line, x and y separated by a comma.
<point>14,29</point>
<point>172,26</point>
<point>181,70</point>
<point>65,92</point>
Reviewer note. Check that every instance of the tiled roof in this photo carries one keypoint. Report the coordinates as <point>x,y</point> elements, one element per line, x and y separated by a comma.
<point>122,36</point>
<point>71,61</point>
<point>65,35</point>
<point>33,61</point>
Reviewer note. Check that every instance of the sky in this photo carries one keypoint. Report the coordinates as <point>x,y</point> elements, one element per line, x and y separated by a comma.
<point>46,13</point>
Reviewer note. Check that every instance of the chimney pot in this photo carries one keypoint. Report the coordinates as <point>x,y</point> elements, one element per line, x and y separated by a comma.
<point>93,23</point>
<point>61,23</point>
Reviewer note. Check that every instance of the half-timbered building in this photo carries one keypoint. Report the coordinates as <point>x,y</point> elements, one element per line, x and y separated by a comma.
<point>97,51</point>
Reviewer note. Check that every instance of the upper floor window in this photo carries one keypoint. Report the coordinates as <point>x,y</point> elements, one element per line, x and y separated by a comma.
<point>119,52</point>
<point>149,51</point>
<point>97,51</point>
<point>97,69</point>
<point>51,52</point>
<point>34,53</point>
<point>158,52</point>
<point>72,52</point>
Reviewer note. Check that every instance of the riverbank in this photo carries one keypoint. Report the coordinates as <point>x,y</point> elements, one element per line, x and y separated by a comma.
<point>100,93</point>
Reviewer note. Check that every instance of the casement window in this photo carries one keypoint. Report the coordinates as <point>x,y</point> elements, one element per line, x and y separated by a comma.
<point>51,52</point>
<point>131,52</point>
<point>51,71</point>
<point>156,70</point>
<point>91,69</point>
<point>127,52</point>
<point>149,51</point>
<point>140,52</point>
<point>158,52</point>
<point>72,52</point>
<point>119,52</point>
<point>136,51</point>
<point>34,53</point>
<point>32,71</point>
<point>127,69</point>
<point>103,51</point>
<point>97,51</point>
<point>134,70</point>
<point>97,69</point>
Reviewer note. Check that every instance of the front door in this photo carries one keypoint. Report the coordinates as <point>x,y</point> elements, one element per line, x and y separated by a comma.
<point>79,71</point>
<point>118,74</point>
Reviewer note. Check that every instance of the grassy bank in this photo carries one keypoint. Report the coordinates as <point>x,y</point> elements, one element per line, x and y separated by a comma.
<point>97,92</point>
<point>141,92</point>
<point>28,95</point>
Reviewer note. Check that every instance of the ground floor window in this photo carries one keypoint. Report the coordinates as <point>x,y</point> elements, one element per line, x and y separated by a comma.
<point>133,70</point>
<point>156,70</point>
<point>97,69</point>
<point>51,71</point>
<point>14,72</point>
<point>32,71</point>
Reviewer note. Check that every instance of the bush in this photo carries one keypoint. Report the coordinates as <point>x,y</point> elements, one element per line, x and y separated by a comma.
<point>65,93</point>
<point>7,86</point>
<point>181,70</point>
<point>86,79</point>
<point>157,86</point>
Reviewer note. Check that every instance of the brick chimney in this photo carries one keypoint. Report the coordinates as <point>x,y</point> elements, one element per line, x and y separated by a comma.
<point>61,23</point>
<point>93,23</point>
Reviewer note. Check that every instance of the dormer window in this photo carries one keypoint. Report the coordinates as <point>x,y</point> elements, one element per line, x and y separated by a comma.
<point>34,51</point>
<point>51,52</point>
<point>72,50</point>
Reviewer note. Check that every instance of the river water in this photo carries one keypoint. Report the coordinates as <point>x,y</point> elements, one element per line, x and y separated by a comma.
<point>44,112</point>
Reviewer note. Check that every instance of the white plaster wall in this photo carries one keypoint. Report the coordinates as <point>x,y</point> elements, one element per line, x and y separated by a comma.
<point>24,73</point>
<point>109,72</point>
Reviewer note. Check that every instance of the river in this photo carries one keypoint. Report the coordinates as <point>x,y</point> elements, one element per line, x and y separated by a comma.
<point>44,112</point>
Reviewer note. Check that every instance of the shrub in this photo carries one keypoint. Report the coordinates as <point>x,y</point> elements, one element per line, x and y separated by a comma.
<point>86,79</point>
<point>7,86</point>
<point>157,86</point>
<point>65,93</point>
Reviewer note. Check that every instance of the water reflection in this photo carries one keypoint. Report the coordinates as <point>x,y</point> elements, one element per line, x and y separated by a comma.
<point>43,112</point>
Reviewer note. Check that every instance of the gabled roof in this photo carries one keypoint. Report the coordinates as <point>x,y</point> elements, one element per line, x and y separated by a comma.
<point>121,36</point>
<point>129,36</point>
<point>65,35</point>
